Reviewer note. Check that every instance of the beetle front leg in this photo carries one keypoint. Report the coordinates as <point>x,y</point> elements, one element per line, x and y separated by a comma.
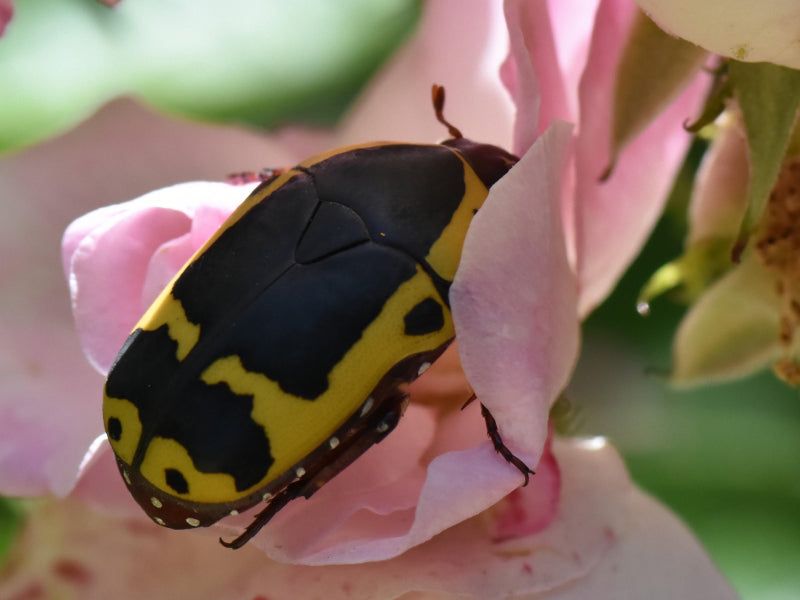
<point>503,450</point>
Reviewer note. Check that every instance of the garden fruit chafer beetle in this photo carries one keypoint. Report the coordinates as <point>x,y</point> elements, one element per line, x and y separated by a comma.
<point>279,353</point>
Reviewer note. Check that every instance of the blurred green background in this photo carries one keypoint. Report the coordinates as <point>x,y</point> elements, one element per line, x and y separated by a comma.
<point>726,458</point>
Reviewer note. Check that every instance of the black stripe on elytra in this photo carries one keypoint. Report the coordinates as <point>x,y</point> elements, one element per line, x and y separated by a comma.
<point>406,194</point>
<point>218,431</point>
<point>247,256</point>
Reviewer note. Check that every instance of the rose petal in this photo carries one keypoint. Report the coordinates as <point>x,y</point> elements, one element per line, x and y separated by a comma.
<point>41,447</point>
<point>614,217</point>
<point>651,555</point>
<point>763,31</point>
<point>531,72</point>
<point>572,22</point>
<point>732,331</point>
<point>513,297</point>
<point>609,541</point>
<point>528,510</point>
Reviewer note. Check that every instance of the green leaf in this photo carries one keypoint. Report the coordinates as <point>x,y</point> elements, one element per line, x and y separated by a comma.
<point>653,69</point>
<point>11,518</point>
<point>258,62</point>
<point>769,96</point>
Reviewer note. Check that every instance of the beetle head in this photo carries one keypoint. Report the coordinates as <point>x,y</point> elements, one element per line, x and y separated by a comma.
<point>489,162</point>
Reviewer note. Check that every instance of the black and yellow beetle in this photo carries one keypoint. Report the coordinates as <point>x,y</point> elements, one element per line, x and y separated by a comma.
<point>279,352</point>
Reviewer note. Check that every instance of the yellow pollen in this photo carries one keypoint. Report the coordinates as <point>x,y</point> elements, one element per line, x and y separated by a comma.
<point>778,247</point>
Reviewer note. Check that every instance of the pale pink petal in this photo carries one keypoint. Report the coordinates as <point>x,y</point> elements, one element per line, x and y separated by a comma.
<point>764,31</point>
<point>101,487</point>
<point>572,22</point>
<point>459,45</point>
<point>514,297</point>
<point>549,46</point>
<point>651,554</point>
<point>531,72</point>
<point>41,369</point>
<point>109,268</point>
<point>6,12</point>
<point>529,509</point>
<point>532,75</point>
<point>719,198</point>
<point>614,217</point>
<point>609,541</point>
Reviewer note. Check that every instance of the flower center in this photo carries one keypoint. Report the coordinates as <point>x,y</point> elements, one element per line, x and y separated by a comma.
<point>778,247</point>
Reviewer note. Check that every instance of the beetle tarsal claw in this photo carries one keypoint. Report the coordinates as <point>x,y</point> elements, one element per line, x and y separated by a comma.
<point>265,516</point>
<point>500,447</point>
<point>469,401</point>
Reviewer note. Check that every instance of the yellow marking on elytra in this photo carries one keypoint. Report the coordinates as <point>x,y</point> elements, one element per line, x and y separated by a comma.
<point>163,453</point>
<point>296,426</point>
<point>169,311</point>
<point>128,416</point>
<point>445,254</point>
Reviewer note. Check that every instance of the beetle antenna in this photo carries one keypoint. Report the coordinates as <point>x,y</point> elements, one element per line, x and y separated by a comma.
<point>437,95</point>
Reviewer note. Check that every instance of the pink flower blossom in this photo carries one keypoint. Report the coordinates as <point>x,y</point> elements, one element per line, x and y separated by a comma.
<point>433,497</point>
<point>6,12</point>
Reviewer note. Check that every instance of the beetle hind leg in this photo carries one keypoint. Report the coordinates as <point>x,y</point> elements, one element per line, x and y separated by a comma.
<point>283,498</point>
<point>494,434</point>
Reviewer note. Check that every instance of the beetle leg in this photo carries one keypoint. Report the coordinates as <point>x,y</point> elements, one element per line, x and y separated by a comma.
<point>289,493</point>
<point>469,401</point>
<point>265,175</point>
<point>501,448</point>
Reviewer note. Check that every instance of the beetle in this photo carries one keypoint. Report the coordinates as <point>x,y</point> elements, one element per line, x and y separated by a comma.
<point>280,351</point>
